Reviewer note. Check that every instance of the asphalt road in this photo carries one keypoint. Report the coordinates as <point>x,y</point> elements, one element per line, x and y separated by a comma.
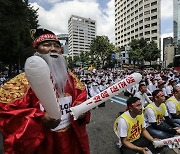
<point>102,138</point>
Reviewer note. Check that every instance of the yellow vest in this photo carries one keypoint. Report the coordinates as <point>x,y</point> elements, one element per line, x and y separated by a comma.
<point>134,126</point>
<point>177,104</point>
<point>159,114</point>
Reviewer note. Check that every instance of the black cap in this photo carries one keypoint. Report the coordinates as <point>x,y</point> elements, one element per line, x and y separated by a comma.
<point>41,35</point>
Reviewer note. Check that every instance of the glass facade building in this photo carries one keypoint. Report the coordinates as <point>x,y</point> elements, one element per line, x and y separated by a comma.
<point>176,24</point>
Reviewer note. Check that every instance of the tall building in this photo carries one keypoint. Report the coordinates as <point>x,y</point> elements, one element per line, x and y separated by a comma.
<point>64,42</point>
<point>168,54</point>
<point>176,24</point>
<point>135,19</point>
<point>166,41</point>
<point>81,32</point>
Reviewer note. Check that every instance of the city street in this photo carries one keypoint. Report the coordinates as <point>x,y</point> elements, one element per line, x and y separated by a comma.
<point>100,130</point>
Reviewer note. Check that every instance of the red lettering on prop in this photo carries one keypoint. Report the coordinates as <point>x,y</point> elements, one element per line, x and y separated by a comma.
<point>89,103</point>
<point>97,98</point>
<point>130,80</point>
<point>104,94</point>
<point>122,84</point>
<point>114,89</point>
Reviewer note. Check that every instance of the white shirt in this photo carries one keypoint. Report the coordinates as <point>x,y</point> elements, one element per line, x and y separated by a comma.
<point>171,107</point>
<point>123,128</point>
<point>151,87</point>
<point>169,89</point>
<point>144,99</point>
<point>150,116</point>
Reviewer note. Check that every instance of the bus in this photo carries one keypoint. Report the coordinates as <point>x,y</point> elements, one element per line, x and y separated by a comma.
<point>176,63</point>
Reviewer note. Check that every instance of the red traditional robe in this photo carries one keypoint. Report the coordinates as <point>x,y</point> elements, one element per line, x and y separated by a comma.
<point>22,127</point>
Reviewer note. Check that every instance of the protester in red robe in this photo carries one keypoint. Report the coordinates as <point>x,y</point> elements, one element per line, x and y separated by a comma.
<point>25,126</point>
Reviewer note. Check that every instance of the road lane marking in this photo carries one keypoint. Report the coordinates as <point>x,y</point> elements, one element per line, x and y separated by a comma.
<point>116,101</point>
<point>124,99</point>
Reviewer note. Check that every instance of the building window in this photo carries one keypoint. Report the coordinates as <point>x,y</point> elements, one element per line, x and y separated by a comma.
<point>154,3</point>
<point>154,17</point>
<point>140,28</point>
<point>147,19</point>
<point>141,8</point>
<point>140,2</point>
<point>140,15</point>
<point>141,21</point>
<point>146,12</point>
<point>147,39</point>
<point>146,6</point>
<point>154,31</point>
<point>154,38</point>
<point>147,26</point>
<point>154,10</point>
<point>154,24</point>
<point>147,32</point>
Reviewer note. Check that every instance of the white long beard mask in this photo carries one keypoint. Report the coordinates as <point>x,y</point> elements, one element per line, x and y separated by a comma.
<point>56,63</point>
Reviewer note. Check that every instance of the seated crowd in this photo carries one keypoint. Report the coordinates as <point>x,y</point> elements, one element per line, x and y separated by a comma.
<point>153,107</point>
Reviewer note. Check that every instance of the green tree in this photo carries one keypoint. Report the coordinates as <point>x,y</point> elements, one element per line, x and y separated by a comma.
<point>84,58</point>
<point>141,51</point>
<point>138,47</point>
<point>17,17</point>
<point>101,50</point>
<point>152,52</point>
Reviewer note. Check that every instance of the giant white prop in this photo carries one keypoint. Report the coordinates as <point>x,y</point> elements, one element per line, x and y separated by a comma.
<point>38,74</point>
<point>106,94</point>
<point>172,142</point>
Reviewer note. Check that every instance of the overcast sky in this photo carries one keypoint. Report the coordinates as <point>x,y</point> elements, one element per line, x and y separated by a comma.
<point>54,15</point>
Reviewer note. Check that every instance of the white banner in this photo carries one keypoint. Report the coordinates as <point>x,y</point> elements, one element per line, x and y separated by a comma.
<point>173,142</point>
<point>106,94</point>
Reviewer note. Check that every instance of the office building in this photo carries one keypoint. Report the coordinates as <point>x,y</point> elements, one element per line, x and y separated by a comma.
<point>176,25</point>
<point>81,32</point>
<point>176,21</point>
<point>169,55</point>
<point>166,42</point>
<point>64,42</point>
<point>135,19</point>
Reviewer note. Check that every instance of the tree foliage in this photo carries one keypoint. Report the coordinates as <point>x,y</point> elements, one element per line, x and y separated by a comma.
<point>137,51</point>
<point>101,50</point>
<point>100,54</point>
<point>17,17</point>
<point>141,51</point>
<point>152,52</point>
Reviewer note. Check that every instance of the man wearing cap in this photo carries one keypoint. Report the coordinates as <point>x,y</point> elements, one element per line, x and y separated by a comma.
<point>158,123</point>
<point>26,128</point>
<point>131,131</point>
<point>173,105</point>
